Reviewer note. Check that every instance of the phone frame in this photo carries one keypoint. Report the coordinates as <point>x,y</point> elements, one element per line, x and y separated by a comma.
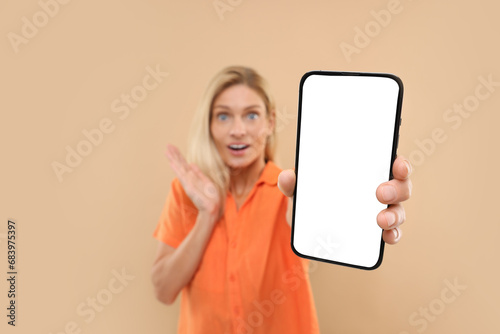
<point>395,142</point>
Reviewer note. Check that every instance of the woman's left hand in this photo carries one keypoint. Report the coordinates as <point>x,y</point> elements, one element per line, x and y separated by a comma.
<point>392,192</point>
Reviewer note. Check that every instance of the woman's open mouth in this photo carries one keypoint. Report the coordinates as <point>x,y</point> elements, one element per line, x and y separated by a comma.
<point>238,149</point>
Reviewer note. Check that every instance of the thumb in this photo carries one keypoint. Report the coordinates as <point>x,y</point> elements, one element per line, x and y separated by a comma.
<point>286,182</point>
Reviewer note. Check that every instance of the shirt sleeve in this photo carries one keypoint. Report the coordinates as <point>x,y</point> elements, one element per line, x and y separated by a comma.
<point>171,226</point>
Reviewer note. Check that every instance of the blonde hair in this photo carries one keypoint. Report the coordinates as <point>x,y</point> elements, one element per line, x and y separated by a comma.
<point>201,147</point>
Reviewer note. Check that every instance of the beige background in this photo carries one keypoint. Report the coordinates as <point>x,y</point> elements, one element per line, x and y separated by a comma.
<point>73,234</point>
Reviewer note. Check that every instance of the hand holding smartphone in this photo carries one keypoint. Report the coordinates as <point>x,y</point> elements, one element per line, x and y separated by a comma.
<point>347,137</point>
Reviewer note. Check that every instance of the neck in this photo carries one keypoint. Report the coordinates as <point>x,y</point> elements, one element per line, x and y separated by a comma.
<point>243,179</point>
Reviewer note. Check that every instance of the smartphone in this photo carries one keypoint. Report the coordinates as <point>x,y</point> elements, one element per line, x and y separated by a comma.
<point>347,138</point>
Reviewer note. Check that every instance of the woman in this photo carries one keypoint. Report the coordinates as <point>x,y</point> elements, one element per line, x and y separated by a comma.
<point>224,233</point>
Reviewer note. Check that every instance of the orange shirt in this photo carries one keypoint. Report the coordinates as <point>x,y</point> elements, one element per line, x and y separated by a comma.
<point>249,280</point>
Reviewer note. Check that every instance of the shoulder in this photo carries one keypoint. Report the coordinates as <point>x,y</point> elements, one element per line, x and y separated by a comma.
<point>270,173</point>
<point>178,192</point>
<point>182,201</point>
<point>274,167</point>
<point>176,185</point>
<point>269,183</point>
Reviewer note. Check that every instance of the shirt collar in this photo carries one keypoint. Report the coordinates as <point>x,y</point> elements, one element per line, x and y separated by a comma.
<point>270,174</point>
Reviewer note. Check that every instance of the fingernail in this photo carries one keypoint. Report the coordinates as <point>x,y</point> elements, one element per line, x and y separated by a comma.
<point>390,217</point>
<point>396,233</point>
<point>408,167</point>
<point>388,193</point>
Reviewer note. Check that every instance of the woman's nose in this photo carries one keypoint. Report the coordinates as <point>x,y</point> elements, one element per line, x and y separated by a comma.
<point>238,127</point>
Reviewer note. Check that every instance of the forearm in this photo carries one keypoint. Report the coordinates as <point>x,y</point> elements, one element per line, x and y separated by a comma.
<point>173,272</point>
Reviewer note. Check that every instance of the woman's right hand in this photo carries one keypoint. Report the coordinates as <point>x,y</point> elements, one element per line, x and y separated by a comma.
<point>200,189</point>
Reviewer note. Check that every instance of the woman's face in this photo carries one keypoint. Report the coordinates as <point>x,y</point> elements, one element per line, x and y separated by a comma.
<point>239,126</point>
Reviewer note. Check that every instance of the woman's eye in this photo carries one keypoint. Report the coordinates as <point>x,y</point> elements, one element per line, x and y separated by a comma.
<point>253,115</point>
<point>222,117</point>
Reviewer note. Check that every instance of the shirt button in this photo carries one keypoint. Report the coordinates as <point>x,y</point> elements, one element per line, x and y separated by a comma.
<point>233,244</point>
<point>236,311</point>
<point>232,278</point>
